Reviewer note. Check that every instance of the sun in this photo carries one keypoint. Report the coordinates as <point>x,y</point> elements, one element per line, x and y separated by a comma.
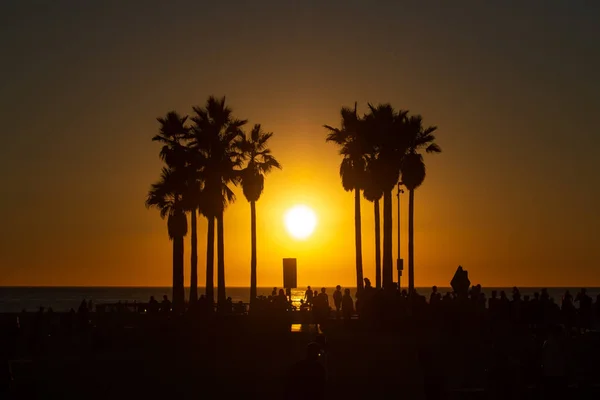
<point>300,221</point>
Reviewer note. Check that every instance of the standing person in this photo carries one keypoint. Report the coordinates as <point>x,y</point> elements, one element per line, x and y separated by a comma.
<point>165,306</point>
<point>308,295</point>
<point>337,300</point>
<point>323,309</point>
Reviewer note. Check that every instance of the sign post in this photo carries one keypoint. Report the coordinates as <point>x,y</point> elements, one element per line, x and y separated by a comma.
<point>290,275</point>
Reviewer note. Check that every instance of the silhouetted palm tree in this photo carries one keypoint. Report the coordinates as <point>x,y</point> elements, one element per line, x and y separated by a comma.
<point>373,191</point>
<point>215,135</point>
<point>172,133</point>
<point>413,175</point>
<point>389,141</point>
<point>166,196</point>
<point>350,137</point>
<point>260,163</point>
<point>192,201</point>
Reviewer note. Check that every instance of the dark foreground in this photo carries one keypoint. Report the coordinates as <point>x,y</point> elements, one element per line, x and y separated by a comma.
<point>161,356</point>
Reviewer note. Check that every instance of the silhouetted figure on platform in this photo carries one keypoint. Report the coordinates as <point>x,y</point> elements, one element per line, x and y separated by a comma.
<point>274,292</point>
<point>153,305</point>
<point>321,307</point>
<point>307,378</point>
<point>308,295</point>
<point>347,305</point>
<point>460,282</point>
<point>435,296</point>
<point>337,299</point>
<point>568,310</point>
<point>585,309</point>
<point>165,305</point>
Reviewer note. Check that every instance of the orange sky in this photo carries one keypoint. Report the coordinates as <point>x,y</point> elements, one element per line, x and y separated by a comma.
<point>513,197</point>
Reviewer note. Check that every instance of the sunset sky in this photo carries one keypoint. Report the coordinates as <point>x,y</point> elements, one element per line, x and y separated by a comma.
<point>513,87</point>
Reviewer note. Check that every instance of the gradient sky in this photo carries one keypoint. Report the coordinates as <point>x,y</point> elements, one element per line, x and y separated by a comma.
<point>513,87</point>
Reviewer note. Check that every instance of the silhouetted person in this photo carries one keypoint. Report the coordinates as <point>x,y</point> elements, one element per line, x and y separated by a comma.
<point>308,295</point>
<point>307,378</point>
<point>153,305</point>
<point>83,307</point>
<point>274,292</point>
<point>337,299</point>
<point>347,305</point>
<point>585,309</point>
<point>165,305</point>
<point>568,310</point>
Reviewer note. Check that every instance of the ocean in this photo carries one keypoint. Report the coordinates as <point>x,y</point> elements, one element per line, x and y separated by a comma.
<point>16,299</point>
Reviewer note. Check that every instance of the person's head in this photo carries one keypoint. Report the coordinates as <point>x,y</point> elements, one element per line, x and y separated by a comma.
<point>313,351</point>
<point>281,292</point>
<point>338,287</point>
<point>323,290</point>
<point>347,291</point>
<point>165,297</point>
<point>367,282</point>
<point>316,292</point>
<point>494,294</point>
<point>434,289</point>
<point>583,291</point>
<point>308,288</point>
<point>151,298</point>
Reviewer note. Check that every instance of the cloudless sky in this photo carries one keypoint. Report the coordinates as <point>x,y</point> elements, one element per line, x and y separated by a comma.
<point>513,87</point>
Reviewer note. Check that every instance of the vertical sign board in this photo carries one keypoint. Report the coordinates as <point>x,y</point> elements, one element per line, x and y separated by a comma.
<point>289,273</point>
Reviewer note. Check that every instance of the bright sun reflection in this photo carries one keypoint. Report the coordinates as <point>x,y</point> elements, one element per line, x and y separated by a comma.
<point>300,221</point>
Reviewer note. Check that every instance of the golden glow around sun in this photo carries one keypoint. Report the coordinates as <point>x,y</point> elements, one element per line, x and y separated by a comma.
<point>300,221</point>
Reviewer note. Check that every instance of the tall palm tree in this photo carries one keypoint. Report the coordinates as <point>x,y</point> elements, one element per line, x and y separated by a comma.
<point>350,138</point>
<point>260,162</point>
<point>215,135</point>
<point>192,201</point>
<point>413,175</point>
<point>373,191</point>
<point>172,133</point>
<point>387,138</point>
<point>166,196</point>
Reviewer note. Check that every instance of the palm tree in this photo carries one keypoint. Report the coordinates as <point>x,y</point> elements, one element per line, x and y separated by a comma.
<point>215,135</point>
<point>413,175</point>
<point>192,201</point>
<point>373,191</point>
<point>260,163</point>
<point>173,188</point>
<point>166,196</point>
<point>388,140</point>
<point>350,137</point>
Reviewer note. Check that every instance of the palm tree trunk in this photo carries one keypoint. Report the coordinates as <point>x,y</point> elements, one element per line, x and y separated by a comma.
<point>253,256</point>
<point>358,241</point>
<point>221,297</point>
<point>194,261</point>
<point>411,266</point>
<point>377,246</point>
<point>178,290</point>
<point>210,260</point>
<point>387,241</point>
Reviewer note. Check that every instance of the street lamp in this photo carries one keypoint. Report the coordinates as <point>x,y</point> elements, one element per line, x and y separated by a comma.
<point>399,261</point>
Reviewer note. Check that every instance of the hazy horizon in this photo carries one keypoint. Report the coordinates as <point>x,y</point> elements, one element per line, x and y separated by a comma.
<point>512,87</point>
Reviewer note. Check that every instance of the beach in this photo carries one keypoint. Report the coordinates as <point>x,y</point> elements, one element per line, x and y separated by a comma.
<point>16,299</point>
